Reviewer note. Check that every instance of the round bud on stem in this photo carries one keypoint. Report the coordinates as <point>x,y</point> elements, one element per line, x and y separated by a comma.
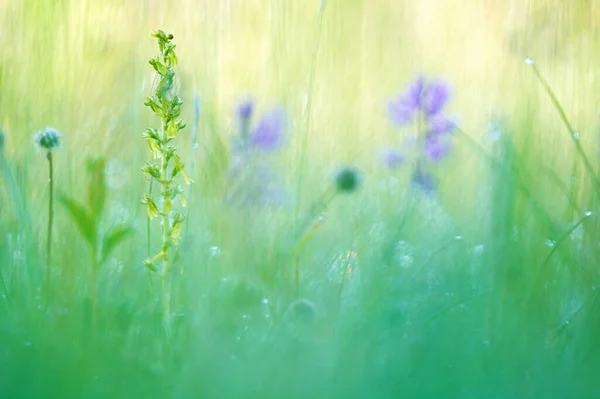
<point>47,139</point>
<point>347,180</point>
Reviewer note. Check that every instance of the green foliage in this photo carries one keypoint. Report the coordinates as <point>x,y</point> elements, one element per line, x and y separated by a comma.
<point>88,218</point>
<point>490,289</point>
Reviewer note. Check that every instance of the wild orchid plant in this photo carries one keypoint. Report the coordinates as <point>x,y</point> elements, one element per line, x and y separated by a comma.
<point>421,104</point>
<point>167,106</point>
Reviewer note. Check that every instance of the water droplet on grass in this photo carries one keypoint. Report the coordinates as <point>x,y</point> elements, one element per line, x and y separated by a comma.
<point>215,251</point>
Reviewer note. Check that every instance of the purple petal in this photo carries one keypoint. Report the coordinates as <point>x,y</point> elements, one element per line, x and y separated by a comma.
<point>403,109</point>
<point>245,109</point>
<point>435,98</point>
<point>437,147</point>
<point>392,158</point>
<point>269,132</point>
<point>414,92</point>
<point>441,125</point>
<point>401,114</point>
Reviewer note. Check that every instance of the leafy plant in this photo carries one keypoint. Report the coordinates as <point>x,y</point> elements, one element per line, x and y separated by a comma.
<point>167,106</point>
<point>88,219</point>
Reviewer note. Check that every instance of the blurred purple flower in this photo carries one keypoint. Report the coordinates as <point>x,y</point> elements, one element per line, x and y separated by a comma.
<point>268,134</point>
<point>403,109</point>
<point>245,109</point>
<point>435,98</point>
<point>392,158</point>
<point>419,96</point>
<point>437,147</point>
<point>252,180</point>
<point>441,125</point>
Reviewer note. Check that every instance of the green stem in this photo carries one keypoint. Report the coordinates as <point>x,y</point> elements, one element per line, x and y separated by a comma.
<point>324,202</point>
<point>148,237</point>
<point>50,217</point>
<point>311,83</point>
<point>166,230</point>
<point>565,120</point>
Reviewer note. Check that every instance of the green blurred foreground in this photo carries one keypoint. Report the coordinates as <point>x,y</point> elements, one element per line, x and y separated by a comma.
<point>489,287</point>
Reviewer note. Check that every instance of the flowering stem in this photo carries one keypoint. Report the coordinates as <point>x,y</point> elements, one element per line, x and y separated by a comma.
<point>50,216</point>
<point>167,106</point>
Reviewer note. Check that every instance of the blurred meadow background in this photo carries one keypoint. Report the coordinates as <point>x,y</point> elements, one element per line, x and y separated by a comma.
<point>484,286</point>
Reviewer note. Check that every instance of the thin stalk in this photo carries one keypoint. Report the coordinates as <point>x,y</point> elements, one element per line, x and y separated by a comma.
<point>4,287</point>
<point>94,288</point>
<point>567,123</point>
<point>193,156</point>
<point>308,110</point>
<point>148,237</point>
<point>324,202</point>
<point>555,249</point>
<point>166,230</point>
<point>50,216</point>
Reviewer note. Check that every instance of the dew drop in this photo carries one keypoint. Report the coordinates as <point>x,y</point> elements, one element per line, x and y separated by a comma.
<point>215,251</point>
<point>550,243</point>
<point>265,301</point>
<point>576,136</point>
<point>588,213</point>
<point>529,61</point>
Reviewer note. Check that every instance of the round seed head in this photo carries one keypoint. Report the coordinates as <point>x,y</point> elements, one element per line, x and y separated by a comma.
<point>47,139</point>
<point>347,180</point>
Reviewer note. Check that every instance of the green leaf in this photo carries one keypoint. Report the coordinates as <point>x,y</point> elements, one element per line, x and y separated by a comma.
<point>151,133</point>
<point>113,238</point>
<point>84,222</point>
<point>166,82</point>
<point>96,187</point>
<point>152,170</point>
<point>152,209</point>
<point>158,66</point>
<point>176,233</point>
<point>152,102</point>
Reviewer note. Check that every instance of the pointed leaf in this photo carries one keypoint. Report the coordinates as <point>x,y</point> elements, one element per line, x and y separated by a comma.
<point>96,187</point>
<point>113,238</point>
<point>84,222</point>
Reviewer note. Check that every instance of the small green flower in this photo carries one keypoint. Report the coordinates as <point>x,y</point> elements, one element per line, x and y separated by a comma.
<point>47,139</point>
<point>347,180</point>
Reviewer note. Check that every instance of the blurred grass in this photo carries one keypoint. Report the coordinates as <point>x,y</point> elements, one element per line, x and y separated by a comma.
<point>448,298</point>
